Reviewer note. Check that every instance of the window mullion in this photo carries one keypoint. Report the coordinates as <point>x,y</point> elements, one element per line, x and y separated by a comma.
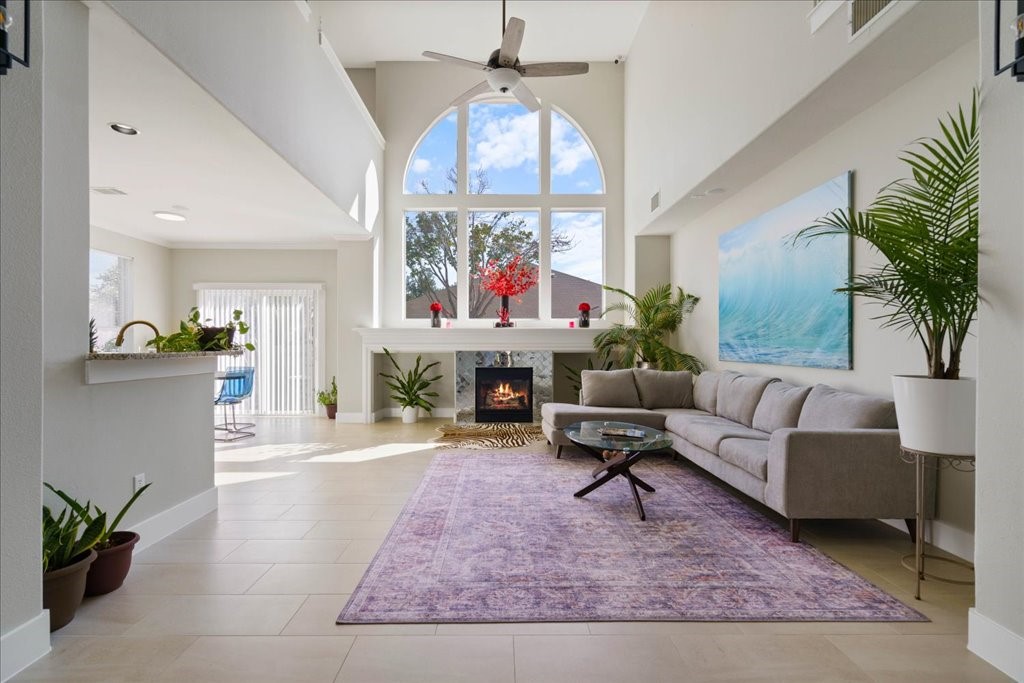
<point>544,283</point>
<point>462,255</point>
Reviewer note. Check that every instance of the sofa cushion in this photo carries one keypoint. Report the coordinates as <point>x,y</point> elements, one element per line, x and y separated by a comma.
<point>610,388</point>
<point>705,391</point>
<point>828,408</point>
<point>738,396</point>
<point>561,415</point>
<point>750,455</point>
<point>779,407</point>
<point>709,432</point>
<point>676,419</point>
<point>664,389</point>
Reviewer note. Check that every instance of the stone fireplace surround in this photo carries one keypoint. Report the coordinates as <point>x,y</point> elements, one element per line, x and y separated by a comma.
<point>466,363</point>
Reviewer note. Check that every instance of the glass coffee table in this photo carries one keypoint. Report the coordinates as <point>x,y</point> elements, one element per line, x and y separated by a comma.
<point>598,438</point>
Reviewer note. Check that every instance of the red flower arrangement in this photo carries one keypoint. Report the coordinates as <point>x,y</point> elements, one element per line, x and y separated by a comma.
<point>435,307</point>
<point>585,307</point>
<point>510,280</point>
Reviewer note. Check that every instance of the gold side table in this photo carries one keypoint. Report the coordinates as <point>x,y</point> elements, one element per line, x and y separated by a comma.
<point>961,463</point>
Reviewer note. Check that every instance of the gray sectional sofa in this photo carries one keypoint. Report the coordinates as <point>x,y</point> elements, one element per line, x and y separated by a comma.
<point>805,452</point>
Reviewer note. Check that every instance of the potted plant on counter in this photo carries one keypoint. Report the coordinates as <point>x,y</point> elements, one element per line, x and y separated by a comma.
<point>926,227</point>
<point>195,334</point>
<point>329,399</point>
<point>113,548</point>
<point>410,388</point>
<point>66,560</point>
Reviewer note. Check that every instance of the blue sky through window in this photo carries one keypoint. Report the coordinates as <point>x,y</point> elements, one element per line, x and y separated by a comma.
<point>585,229</point>
<point>435,154</point>
<point>504,145</point>
<point>574,169</point>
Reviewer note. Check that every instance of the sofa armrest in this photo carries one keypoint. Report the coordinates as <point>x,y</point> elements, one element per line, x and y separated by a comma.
<point>853,473</point>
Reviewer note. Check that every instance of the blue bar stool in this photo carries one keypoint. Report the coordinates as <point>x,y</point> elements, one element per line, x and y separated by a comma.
<point>236,387</point>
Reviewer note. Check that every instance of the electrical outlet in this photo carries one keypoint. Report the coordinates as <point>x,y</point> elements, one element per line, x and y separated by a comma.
<point>138,481</point>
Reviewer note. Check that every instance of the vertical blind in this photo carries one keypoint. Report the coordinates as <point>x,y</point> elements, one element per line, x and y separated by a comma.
<point>285,326</point>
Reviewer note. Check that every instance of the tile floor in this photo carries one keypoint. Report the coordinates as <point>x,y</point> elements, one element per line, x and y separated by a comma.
<point>250,593</point>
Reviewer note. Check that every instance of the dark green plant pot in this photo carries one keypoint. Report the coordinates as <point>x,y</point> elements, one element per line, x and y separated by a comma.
<point>208,337</point>
<point>64,588</point>
<point>111,567</point>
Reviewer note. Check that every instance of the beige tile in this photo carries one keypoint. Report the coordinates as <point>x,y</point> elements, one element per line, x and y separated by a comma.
<point>306,579</point>
<point>244,530</point>
<point>112,614</point>
<point>287,552</point>
<point>193,579</point>
<point>609,628</point>
<point>814,627</point>
<point>361,550</point>
<point>429,659</point>
<point>250,511</point>
<point>220,615</point>
<point>790,658</point>
<point>387,512</point>
<point>932,658</point>
<point>596,658</point>
<point>330,512</point>
<point>218,659</point>
<point>82,659</point>
<point>350,530</point>
<point>227,495</point>
<point>327,498</point>
<point>182,551</point>
<point>514,629</point>
<point>319,613</point>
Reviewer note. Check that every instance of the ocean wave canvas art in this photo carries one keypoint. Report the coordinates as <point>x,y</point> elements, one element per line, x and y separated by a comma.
<point>777,302</point>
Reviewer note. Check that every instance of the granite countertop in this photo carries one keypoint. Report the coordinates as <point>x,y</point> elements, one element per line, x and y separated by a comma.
<point>152,355</point>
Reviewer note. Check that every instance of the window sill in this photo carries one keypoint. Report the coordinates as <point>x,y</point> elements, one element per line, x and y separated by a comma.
<point>427,339</point>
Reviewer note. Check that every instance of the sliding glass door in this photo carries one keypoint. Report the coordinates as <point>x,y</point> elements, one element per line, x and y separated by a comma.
<point>287,328</point>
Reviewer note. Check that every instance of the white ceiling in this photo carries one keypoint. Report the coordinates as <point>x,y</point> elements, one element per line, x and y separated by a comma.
<point>364,32</point>
<point>191,152</point>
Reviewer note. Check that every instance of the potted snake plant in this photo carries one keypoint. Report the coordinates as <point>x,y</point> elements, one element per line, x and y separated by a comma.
<point>113,548</point>
<point>926,227</point>
<point>410,387</point>
<point>67,557</point>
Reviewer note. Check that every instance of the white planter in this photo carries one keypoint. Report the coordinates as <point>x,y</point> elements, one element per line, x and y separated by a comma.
<point>935,415</point>
<point>410,414</point>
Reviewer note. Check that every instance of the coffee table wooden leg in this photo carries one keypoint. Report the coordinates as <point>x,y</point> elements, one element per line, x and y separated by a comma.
<point>597,484</point>
<point>633,479</point>
<point>636,497</point>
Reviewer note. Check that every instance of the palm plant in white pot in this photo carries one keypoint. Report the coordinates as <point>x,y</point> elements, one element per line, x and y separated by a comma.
<point>926,227</point>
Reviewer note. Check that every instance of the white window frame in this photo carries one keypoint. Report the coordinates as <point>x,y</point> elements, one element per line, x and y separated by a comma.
<point>127,297</point>
<point>462,202</point>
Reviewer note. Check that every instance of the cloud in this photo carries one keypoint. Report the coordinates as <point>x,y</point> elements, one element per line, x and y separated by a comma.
<point>421,165</point>
<point>568,148</point>
<point>504,141</point>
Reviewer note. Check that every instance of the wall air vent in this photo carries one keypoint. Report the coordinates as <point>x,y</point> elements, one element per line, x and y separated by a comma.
<point>655,200</point>
<point>862,12</point>
<point>108,190</point>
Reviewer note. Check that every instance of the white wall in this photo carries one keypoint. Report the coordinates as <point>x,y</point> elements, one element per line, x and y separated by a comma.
<point>21,357</point>
<point>365,82</point>
<point>997,623</point>
<point>250,59</point>
<point>869,145</point>
<point>151,275</point>
<point>410,96</point>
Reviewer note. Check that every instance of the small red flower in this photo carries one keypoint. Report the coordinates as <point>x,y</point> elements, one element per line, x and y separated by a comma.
<point>435,307</point>
<point>585,307</point>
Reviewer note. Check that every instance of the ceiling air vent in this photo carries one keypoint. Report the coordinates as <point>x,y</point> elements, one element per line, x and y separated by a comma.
<point>655,200</point>
<point>108,190</point>
<point>863,11</point>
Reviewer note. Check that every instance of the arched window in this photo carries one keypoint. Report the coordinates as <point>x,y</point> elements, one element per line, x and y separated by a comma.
<point>527,183</point>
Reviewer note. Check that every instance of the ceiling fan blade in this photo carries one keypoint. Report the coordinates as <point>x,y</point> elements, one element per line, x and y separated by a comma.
<point>459,61</point>
<point>511,41</point>
<point>554,69</point>
<point>478,89</point>
<point>525,97</point>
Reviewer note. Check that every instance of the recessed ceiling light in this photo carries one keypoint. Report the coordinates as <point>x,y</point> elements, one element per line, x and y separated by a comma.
<point>715,190</point>
<point>169,216</point>
<point>124,129</point>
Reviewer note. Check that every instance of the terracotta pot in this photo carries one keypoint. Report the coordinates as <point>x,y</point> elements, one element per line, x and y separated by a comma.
<point>64,588</point>
<point>332,411</point>
<point>111,567</point>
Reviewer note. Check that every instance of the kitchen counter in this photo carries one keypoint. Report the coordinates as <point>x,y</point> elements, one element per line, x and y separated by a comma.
<point>101,368</point>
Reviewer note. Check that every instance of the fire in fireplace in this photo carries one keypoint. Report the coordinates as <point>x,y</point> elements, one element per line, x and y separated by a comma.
<point>504,394</point>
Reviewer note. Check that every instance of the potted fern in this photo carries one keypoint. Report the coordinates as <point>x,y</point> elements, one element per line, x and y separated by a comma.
<point>409,388</point>
<point>655,314</point>
<point>328,398</point>
<point>113,548</point>
<point>66,560</point>
<point>926,227</point>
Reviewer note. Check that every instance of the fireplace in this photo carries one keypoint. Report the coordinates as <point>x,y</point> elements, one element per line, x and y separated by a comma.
<point>504,394</point>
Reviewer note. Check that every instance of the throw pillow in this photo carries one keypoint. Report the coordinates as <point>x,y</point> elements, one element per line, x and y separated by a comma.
<point>705,391</point>
<point>780,406</point>
<point>664,388</point>
<point>609,389</point>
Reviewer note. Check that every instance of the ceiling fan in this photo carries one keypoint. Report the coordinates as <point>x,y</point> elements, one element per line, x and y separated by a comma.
<point>504,72</point>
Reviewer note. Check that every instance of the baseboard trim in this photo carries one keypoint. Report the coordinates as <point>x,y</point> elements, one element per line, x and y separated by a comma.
<point>996,644</point>
<point>165,523</point>
<point>350,418</point>
<point>944,536</point>
<point>385,413</point>
<point>24,645</point>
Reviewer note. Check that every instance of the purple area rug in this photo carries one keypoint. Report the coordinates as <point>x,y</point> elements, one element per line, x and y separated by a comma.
<point>499,537</point>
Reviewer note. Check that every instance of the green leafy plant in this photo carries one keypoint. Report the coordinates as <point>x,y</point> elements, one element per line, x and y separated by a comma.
<point>655,316</point>
<point>61,543</point>
<point>190,335</point>
<point>409,388</point>
<point>574,375</point>
<point>94,338</point>
<point>328,397</point>
<point>926,227</point>
<point>98,516</point>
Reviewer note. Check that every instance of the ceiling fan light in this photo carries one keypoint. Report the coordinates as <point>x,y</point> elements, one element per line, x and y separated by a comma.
<point>503,80</point>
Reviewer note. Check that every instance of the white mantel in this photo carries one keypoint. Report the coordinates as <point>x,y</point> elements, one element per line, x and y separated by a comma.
<point>451,339</point>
